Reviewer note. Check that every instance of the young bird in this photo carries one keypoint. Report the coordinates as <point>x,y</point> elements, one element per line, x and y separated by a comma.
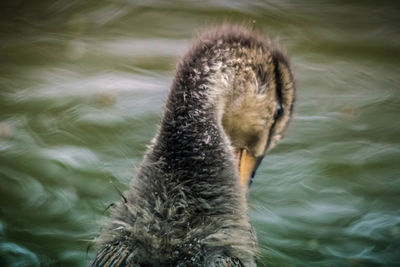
<point>230,102</point>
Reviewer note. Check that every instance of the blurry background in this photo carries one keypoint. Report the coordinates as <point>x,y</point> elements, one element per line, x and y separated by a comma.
<point>82,84</point>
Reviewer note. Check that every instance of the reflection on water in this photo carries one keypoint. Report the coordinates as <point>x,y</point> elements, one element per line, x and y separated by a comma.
<point>82,86</point>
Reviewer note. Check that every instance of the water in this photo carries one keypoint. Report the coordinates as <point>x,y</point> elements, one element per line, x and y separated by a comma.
<point>82,84</point>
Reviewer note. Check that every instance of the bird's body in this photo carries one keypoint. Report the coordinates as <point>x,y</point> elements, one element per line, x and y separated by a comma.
<point>232,91</point>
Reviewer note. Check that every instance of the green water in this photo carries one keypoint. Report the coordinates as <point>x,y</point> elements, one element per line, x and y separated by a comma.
<point>82,84</point>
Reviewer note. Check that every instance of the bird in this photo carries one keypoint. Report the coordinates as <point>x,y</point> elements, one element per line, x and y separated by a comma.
<point>229,103</point>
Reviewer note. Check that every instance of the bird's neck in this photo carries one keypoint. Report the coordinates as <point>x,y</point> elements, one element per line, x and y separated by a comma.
<point>191,140</point>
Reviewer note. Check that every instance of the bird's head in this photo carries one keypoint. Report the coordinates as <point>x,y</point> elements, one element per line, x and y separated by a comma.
<point>257,112</point>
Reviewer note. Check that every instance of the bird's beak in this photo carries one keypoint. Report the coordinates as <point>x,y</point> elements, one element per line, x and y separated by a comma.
<point>248,165</point>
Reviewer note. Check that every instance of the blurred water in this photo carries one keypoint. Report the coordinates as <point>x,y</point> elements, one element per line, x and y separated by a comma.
<point>82,84</point>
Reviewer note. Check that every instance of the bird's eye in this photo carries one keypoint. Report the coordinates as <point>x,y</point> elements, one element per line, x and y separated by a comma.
<point>278,111</point>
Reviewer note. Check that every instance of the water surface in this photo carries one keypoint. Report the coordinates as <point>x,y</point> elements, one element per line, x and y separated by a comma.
<point>82,85</point>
